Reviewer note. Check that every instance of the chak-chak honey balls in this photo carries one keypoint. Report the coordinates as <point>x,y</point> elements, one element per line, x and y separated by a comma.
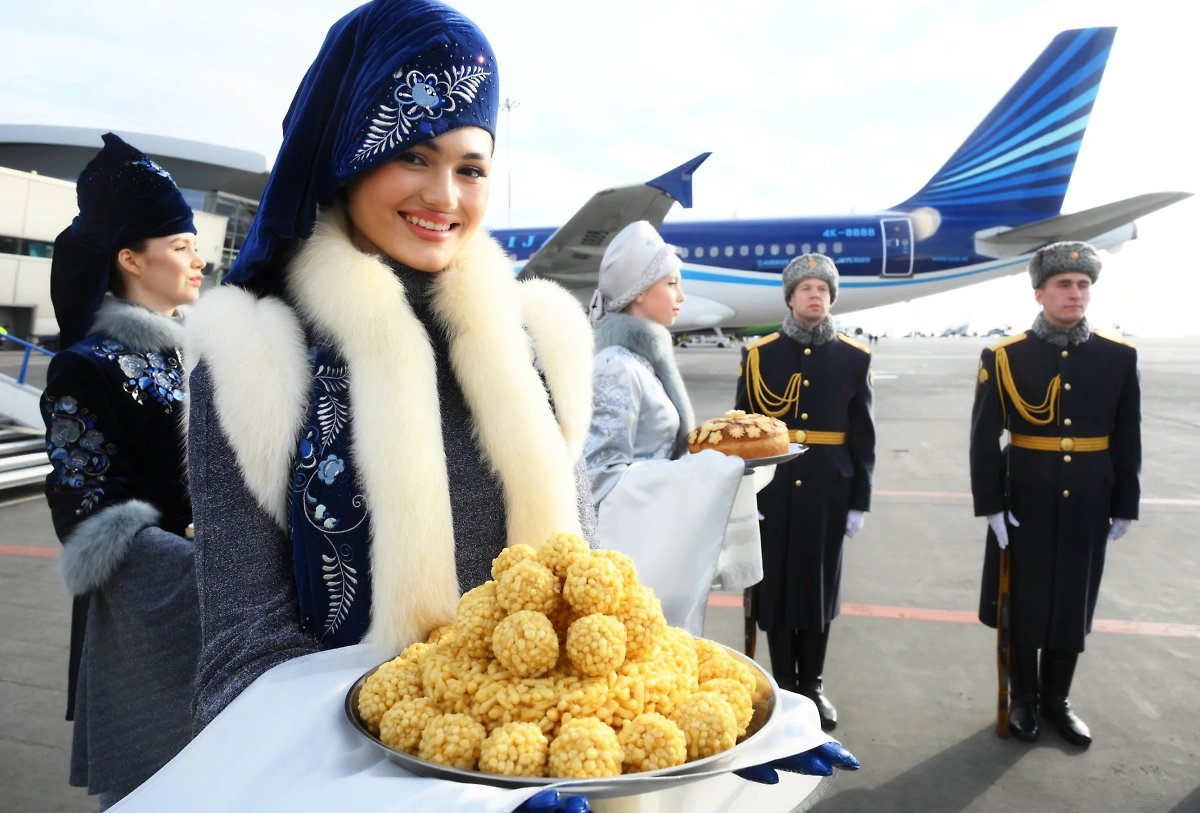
<point>561,666</point>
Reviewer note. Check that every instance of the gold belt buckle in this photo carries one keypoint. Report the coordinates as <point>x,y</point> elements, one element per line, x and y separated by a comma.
<point>800,435</point>
<point>1067,444</point>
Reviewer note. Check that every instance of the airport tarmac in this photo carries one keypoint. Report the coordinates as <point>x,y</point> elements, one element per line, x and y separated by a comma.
<point>912,673</point>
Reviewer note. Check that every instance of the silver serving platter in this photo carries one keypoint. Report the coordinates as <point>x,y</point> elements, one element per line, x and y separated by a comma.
<point>766,702</point>
<point>794,451</point>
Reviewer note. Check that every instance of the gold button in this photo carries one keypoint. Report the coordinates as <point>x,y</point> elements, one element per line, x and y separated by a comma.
<point>798,484</point>
<point>800,435</point>
<point>1066,458</point>
<point>1065,354</point>
<point>1066,493</point>
<point>807,381</point>
<point>1067,444</point>
<point>1066,421</point>
<point>1066,386</point>
<point>804,416</point>
<point>808,351</point>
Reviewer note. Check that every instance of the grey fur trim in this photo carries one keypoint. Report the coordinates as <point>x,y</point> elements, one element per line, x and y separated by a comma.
<point>802,334</point>
<point>97,546</point>
<point>1067,257</point>
<point>808,266</point>
<point>652,342</point>
<point>137,327</point>
<point>1061,337</point>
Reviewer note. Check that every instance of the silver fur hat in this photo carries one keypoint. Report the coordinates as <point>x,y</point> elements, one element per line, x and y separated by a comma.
<point>806,266</point>
<point>1067,257</point>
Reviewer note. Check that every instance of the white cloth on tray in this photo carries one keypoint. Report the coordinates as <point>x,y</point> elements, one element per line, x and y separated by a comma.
<point>285,745</point>
<point>670,517</point>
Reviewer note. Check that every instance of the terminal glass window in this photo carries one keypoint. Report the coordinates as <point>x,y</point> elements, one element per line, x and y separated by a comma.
<point>240,212</point>
<point>774,250</point>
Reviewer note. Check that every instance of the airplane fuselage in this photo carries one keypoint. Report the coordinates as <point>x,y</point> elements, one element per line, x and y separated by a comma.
<point>732,269</point>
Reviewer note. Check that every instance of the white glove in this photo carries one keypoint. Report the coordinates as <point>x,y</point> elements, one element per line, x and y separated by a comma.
<point>1119,528</point>
<point>854,522</point>
<point>996,521</point>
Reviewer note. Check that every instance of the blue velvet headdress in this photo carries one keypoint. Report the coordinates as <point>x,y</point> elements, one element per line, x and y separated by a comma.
<point>124,198</point>
<point>391,74</point>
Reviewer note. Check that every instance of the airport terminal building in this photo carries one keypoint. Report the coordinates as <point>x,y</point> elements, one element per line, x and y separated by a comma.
<point>38,168</point>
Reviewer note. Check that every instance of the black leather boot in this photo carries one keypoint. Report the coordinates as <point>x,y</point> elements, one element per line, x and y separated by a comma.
<point>810,656</point>
<point>1022,708</point>
<point>1058,670</point>
<point>782,646</point>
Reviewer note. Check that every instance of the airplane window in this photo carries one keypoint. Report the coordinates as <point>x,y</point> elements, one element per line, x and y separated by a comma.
<point>700,252</point>
<point>820,248</point>
<point>728,251</point>
<point>806,248</point>
<point>744,251</point>
<point>837,248</point>
<point>791,248</point>
<point>774,250</point>
<point>904,242</point>
<point>683,252</point>
<point>758,251</point>
<point>714,251</point>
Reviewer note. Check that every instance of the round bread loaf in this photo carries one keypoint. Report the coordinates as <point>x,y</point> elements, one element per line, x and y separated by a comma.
<point>749,437</point>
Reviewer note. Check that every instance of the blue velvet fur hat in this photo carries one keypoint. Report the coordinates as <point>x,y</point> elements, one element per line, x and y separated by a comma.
<point>124,198</point>
<point>391,74</point>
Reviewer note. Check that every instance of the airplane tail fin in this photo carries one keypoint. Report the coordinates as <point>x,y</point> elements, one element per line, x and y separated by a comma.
<point>1020,158</point>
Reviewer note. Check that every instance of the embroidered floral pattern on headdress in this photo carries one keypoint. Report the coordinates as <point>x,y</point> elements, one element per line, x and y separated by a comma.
<point>421,98</point>
<point>151,165</point>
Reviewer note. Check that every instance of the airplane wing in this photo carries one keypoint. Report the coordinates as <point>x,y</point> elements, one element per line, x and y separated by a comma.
<point>571,257</point>
<point>1085,225</point>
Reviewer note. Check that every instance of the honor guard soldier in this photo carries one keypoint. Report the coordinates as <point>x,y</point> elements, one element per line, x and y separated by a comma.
<point>1066,483</point>
<point>818,382</point>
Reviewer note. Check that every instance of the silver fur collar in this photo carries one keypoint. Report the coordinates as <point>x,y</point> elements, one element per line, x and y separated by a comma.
<point>137,327</point>
<point>1061,337</point>
<point>652,342</point>
<point>801,333</point>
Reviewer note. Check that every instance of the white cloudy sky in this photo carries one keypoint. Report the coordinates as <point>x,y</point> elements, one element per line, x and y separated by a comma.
<point>808,107</point>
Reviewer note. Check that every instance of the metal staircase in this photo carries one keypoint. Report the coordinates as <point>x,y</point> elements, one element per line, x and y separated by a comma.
<point>23,459</point>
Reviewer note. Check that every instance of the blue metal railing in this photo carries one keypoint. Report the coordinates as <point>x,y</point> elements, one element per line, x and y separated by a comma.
<point>29,348</point>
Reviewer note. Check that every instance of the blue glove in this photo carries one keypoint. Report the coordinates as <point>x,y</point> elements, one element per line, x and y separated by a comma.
<point>820,761</point>
<point>551,801</point>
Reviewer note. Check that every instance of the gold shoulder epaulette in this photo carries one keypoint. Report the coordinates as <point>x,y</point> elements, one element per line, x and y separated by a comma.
<point>764,340</point>
<point>1113,337</point>
<point>1007,340</point>
<point>853,343</point>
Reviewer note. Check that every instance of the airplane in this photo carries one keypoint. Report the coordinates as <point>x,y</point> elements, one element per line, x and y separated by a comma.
<point>980,217</point>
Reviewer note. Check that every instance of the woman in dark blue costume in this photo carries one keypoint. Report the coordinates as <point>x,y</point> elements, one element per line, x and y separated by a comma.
<point>378,406</point>
<point>113,408</point>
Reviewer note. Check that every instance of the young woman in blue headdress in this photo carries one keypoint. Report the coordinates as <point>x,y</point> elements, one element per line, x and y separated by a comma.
<point>378,407</point>
<point>113,408</point>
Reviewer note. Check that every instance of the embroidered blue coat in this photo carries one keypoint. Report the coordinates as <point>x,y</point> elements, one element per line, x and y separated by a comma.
<point>113,407</point>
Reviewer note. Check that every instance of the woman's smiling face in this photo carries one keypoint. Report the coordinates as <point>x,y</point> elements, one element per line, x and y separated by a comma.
<point>422,206</point>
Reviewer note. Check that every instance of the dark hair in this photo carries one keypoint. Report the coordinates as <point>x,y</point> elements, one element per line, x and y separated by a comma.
<point>116,282</point>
